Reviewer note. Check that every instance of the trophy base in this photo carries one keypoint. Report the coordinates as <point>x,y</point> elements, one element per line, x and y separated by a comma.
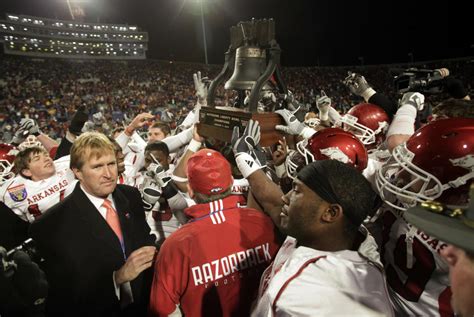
<point>219,123</point>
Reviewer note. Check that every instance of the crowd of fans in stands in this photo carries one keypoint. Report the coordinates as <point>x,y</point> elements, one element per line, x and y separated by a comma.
<point>51,90</point>
<point>178,223</point>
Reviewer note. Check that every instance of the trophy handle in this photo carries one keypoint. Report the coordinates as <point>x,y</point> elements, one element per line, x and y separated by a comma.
<point>225,72</point>
<point>282,89</point>
<point>274,57</point>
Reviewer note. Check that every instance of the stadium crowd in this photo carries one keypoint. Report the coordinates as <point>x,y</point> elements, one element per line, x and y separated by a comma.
<point>363,207</point>
<point>50,91</point>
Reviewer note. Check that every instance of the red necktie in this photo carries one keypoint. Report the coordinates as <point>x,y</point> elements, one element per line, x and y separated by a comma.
<point>126,296</point>
<point>112,218</point>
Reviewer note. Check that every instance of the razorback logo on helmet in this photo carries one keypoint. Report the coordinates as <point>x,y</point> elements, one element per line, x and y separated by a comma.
<point>467,162</point>
<point>329,143</point>
<point>334,153</point>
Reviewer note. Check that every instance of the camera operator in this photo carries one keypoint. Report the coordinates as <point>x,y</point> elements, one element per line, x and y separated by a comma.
<point>23,286</point>
<point>359,86</point>
<point>413,109</point>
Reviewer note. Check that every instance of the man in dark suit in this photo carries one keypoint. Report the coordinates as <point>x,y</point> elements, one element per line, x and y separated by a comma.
<point>96,242</point>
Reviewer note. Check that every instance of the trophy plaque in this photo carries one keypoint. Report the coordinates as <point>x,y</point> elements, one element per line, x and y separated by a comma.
<point>219,122</point>
<point>253,60</point>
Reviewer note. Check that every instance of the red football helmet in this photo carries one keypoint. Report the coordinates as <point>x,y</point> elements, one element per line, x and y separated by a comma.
<point>368,122</point>
<point>330,143</point>
<point>436,163</point>
<point>7,156</point>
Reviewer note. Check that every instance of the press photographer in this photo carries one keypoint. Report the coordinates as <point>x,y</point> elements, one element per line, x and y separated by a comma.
<point>23,285</point>
<point>425,81</point>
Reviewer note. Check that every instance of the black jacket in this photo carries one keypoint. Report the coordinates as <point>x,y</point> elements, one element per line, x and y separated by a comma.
<point>81,253</point>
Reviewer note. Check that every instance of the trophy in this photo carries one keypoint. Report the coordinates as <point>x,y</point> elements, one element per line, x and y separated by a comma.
<point>253,59</point>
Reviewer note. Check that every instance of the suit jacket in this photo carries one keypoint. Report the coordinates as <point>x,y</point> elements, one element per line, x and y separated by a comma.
<point>81,253</point>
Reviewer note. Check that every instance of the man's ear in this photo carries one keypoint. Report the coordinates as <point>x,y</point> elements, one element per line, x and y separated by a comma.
<point>77,173</point>
<point>26,172</point>
<point>332,213</point>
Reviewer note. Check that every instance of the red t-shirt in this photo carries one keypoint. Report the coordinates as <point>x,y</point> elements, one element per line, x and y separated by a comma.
<point>212,265</point>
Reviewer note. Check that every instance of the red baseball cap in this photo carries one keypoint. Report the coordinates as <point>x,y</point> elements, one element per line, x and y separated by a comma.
<point>209,172</point>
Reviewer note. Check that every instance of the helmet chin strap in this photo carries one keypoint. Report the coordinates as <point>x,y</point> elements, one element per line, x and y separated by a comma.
<point>461,180</point>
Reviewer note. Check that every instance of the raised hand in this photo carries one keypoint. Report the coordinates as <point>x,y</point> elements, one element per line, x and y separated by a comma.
<point>27,127</point>
<point>279,156</point>
<point>78,121</point>
<point>249,139</point>
<point>249,142</point>
<point>356,83</point>
<point>200,86</point>
<point>151,193</point>
<point>323,103</point>
<point>293,125</point>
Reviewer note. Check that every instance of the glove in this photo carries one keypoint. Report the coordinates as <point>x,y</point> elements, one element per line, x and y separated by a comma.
<point>249,142</point>
<point>323,103</point>
<point>30,126</point>
<point>249,139</point>
<point>154,169</point>
<point>414,99</point>
<point>27,126</point>
<point>356,84</point>
<point>88,126</point>
<point>249,155</point>
<point>150,197</point>
<point>151,193</point>
<point>18,138</point>
<point>290,100</point>
<point>169,189</point>
<point>200,87</point>
<point>158,174</point>
<point>293,125</point>
<point>98,118</point>
<point>295,106</point>
<point>78,121</point>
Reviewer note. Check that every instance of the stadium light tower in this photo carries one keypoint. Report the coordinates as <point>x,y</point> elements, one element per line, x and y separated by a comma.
<point>203,30</point>
<point>76,9</point>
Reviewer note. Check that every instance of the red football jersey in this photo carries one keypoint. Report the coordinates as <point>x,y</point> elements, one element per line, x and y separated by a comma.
<point>212,265</point>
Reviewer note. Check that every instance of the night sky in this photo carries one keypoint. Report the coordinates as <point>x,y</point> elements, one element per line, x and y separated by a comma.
<point>317,32</point>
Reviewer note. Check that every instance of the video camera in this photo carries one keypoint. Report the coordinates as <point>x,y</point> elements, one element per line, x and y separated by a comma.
<point>425,81</point>
<point>8,265</point>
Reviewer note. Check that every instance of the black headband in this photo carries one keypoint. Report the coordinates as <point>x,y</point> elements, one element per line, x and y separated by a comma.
<point>316,177</point>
